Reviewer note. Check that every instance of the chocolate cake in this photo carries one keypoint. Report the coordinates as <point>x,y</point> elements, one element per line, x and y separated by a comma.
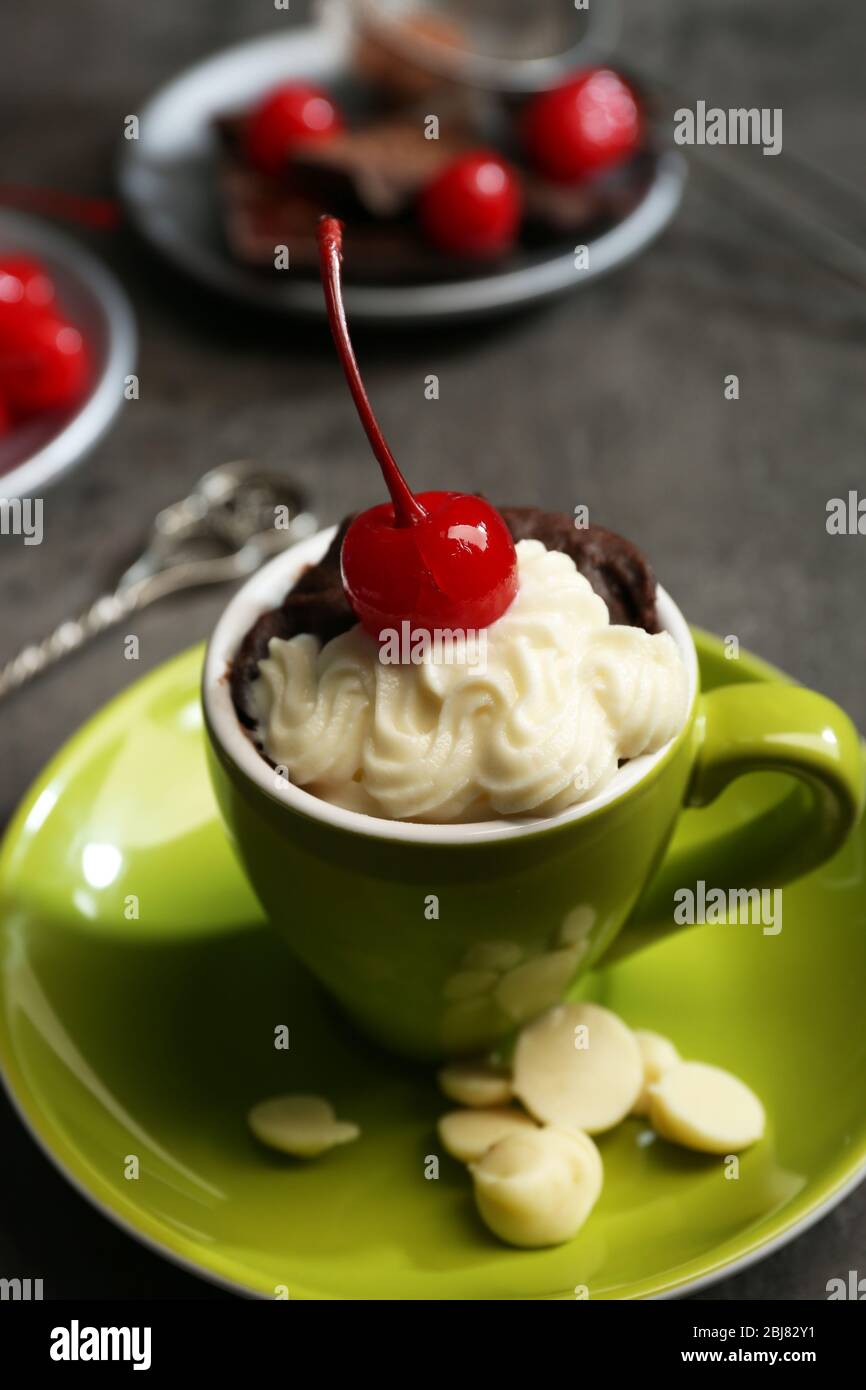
<point>615,568</point>
<point>371,178</point>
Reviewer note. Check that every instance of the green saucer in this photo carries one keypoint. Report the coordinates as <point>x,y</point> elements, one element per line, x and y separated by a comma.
<point>141,993</point>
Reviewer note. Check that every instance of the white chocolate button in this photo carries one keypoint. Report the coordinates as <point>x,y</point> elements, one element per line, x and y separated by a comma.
<point>300,1125</point>
<point>468,1134</point>
<point>475,1083</point>
<point>658,1055</point>
<point>538,1187</point>
<point>705,1108</point>
<point>578,1066</point>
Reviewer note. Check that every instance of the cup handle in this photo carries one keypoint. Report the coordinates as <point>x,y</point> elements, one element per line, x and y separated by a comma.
<point>759,727</point>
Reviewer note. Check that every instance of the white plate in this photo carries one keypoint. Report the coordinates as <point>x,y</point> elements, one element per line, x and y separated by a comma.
<point>168,181</point>
<point>38,451</point>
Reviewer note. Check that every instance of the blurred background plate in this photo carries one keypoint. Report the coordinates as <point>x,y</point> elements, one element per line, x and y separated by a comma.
<point>168,181</point>
<point>38,451</point>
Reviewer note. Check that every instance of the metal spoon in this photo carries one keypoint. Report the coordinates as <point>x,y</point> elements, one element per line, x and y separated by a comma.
<point>235,518</point>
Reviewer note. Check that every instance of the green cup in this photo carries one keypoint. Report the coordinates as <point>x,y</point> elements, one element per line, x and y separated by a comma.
<point>438,940</point>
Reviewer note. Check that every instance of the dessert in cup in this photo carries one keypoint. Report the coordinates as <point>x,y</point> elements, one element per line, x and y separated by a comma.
<point>449,844</point>
<point>448,837</point>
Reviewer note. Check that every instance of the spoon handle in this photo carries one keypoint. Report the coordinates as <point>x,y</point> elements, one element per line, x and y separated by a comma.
<point>68,637</point>
<point>128,598</point>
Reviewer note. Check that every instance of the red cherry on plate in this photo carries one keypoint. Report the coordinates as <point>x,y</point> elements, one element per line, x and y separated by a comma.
<point>591,123</point>
<point>288,114</point>
<point>44,365</point>
<point>441,560</point>
<point>472,207</point>
<point>25,289</point>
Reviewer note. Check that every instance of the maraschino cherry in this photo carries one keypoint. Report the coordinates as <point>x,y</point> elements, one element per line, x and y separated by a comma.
<point>472,207</point>
<point>44,360</point>
<point>25,289</point>
<point>44,365</point>
<point>439,560</point>
<point>287,115</point>
<point>588,124</point>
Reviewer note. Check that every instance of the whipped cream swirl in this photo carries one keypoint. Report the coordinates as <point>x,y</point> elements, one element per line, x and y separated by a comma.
<point>540,724</point>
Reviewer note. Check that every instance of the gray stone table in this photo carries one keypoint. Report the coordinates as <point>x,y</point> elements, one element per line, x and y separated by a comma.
<point>613,398</point>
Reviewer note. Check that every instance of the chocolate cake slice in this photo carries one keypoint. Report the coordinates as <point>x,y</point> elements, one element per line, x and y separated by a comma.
<point>615,568</point>
<point>370,177</point>
<point>260,214</point>
<point>381,166</point>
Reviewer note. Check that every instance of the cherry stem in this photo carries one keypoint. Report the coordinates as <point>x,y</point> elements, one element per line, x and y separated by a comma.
<point>407,509</point>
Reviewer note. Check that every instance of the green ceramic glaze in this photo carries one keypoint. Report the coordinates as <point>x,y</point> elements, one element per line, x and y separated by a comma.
<point>153,1035</point>
<point>442,949</point>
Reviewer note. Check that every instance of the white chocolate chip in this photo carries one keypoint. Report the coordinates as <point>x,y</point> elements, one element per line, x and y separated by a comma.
<point>578,1066</point>
<point>468,1134</point>
<point>658,1055</point>
<point>477,1084</point>
<point>705,1108</point>
<point>537,1187</point>
<point>300,1125</point>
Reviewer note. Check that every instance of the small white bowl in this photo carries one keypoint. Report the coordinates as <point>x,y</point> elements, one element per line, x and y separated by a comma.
<point>38,451</point>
